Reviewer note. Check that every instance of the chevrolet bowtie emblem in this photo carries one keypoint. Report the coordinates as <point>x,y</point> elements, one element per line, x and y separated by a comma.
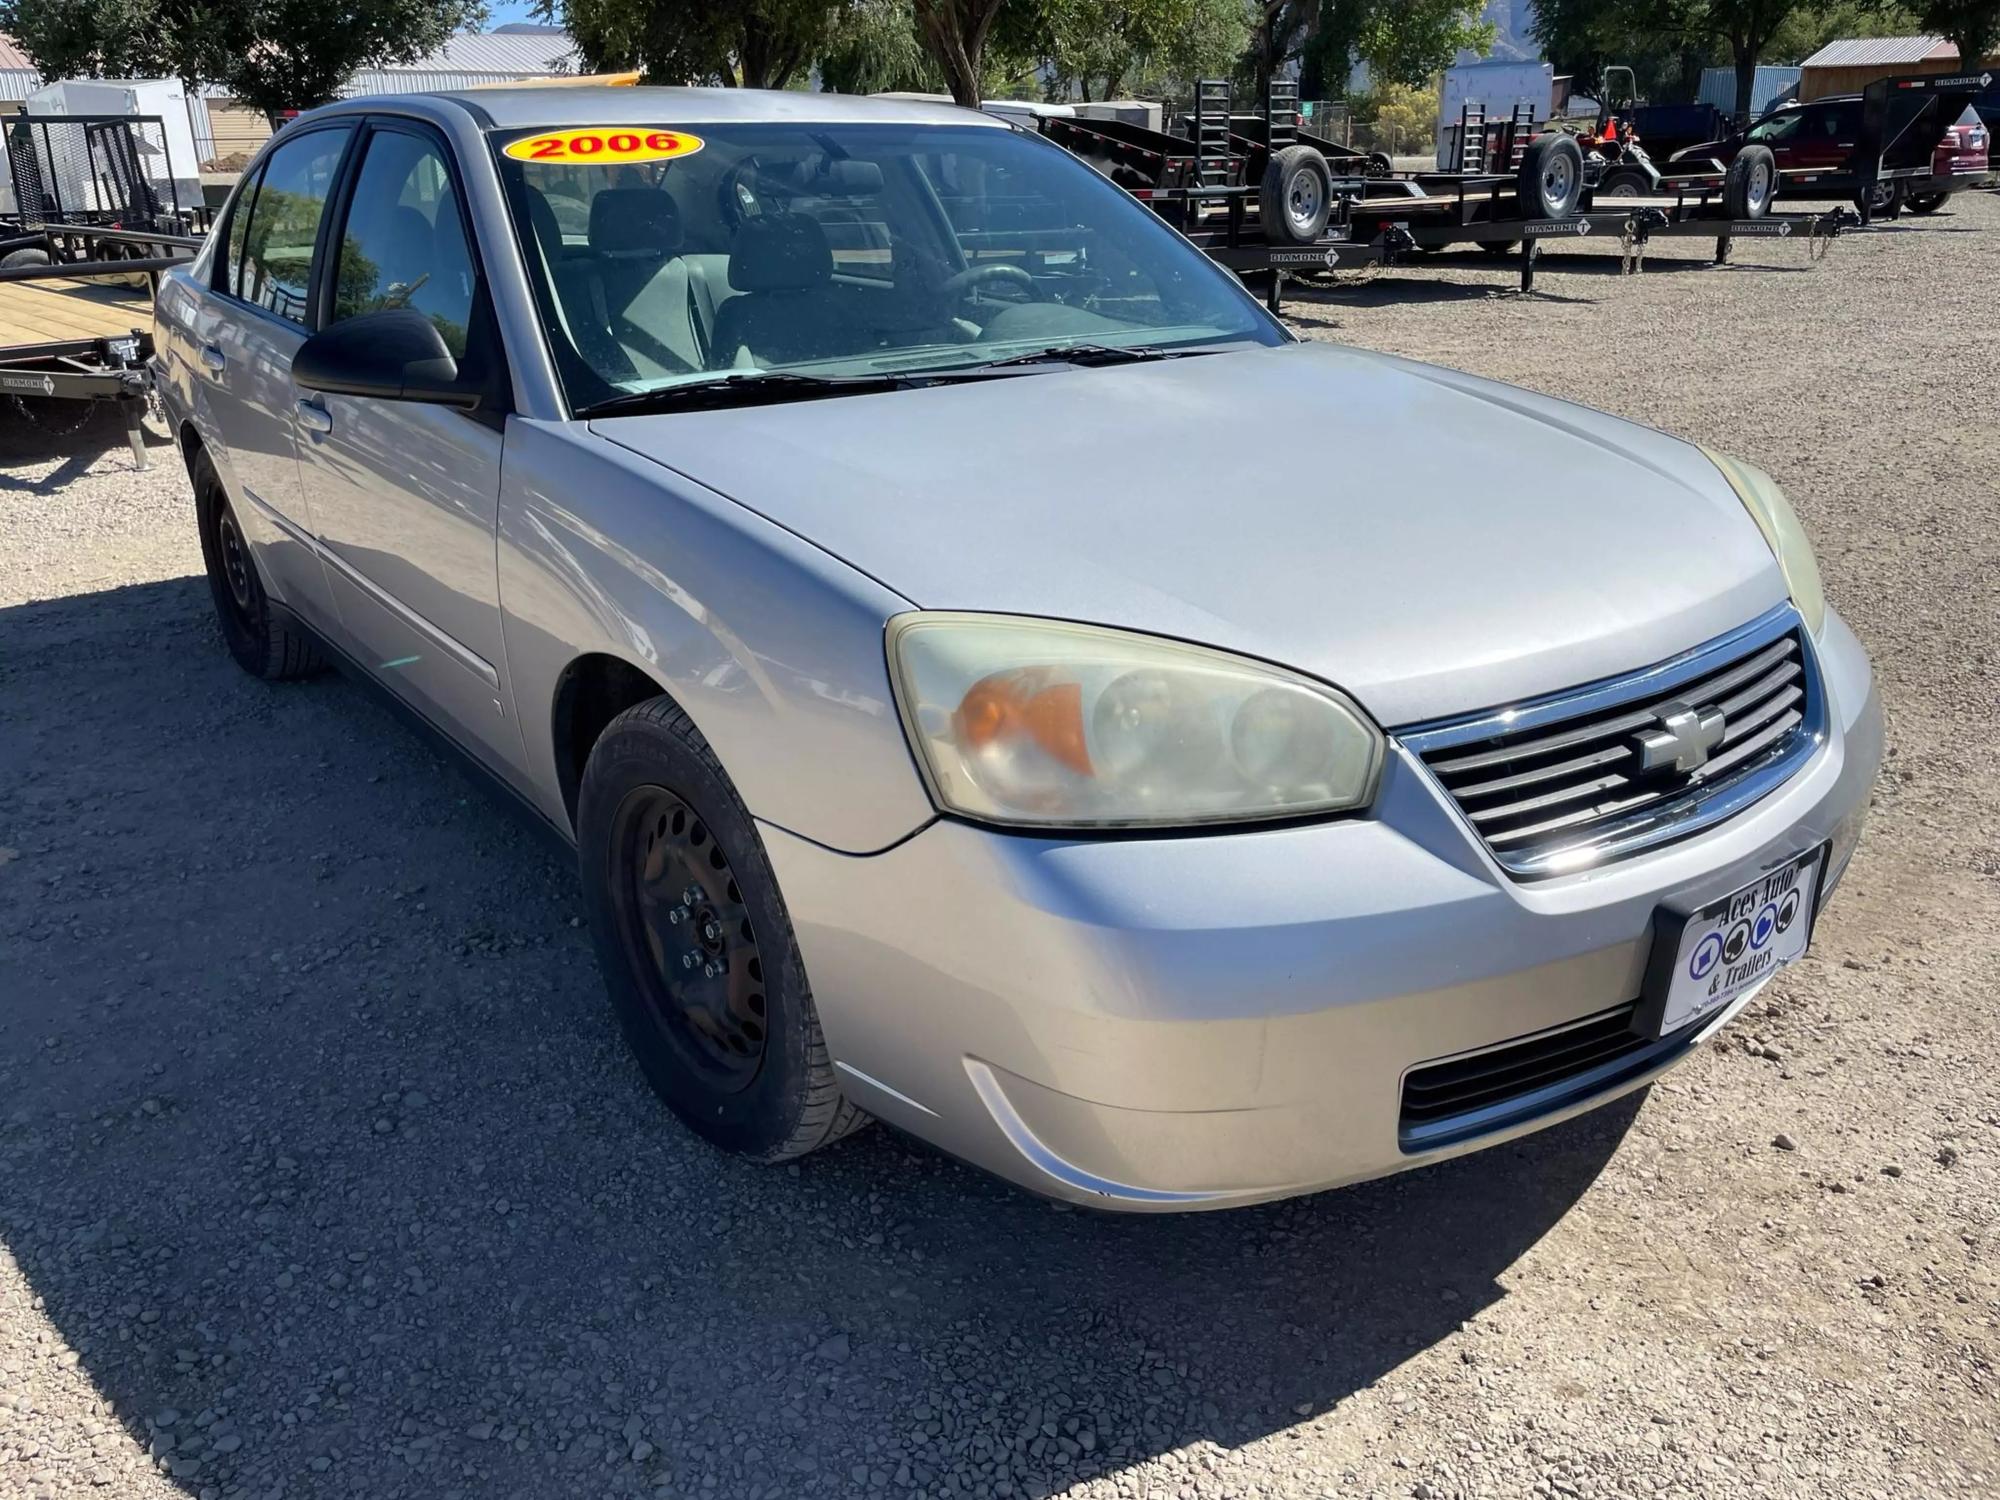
<point>1683,740</point>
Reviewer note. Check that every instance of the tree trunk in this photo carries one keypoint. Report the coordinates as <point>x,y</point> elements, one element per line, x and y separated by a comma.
<point>955,32</point>
<point>1746,77</point>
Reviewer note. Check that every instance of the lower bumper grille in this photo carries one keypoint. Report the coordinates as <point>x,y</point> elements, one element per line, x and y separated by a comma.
<point>1460,1098</point>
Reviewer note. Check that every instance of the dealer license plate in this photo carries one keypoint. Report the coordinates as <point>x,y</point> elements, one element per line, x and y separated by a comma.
<point>1737,942</point>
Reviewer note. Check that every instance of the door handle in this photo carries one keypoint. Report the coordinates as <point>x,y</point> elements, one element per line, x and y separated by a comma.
<point>211,359</point>
<point>314,417</point>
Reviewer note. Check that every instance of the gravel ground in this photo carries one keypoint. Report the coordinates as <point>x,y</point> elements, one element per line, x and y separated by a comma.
<point>324,1173</point>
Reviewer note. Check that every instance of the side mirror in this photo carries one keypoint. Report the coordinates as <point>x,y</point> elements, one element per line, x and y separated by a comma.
<point>393,355</point>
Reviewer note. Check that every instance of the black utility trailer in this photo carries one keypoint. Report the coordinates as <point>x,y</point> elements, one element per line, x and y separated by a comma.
<point>63,340</point>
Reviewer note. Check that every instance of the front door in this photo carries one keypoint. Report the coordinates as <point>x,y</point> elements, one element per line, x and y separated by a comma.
<point>250,326</point>
<point>404,495</point>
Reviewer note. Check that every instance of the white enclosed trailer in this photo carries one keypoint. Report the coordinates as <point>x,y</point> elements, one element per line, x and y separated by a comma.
<point>166,157</point>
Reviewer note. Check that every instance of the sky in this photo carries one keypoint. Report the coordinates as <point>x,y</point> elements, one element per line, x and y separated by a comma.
<point>503,11</point>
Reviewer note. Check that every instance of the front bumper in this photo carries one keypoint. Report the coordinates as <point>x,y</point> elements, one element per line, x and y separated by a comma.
<point>1193,1022</point>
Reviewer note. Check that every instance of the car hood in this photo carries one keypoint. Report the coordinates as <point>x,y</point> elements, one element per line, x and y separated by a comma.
<point>1431,542</point>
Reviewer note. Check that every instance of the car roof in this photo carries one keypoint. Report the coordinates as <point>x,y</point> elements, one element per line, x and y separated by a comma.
<point>603,104</point>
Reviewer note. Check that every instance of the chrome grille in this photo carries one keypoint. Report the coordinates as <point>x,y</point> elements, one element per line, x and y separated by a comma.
<point>1570,781</point>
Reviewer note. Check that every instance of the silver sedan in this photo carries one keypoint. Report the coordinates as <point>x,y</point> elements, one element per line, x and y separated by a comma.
<point>995,679</point>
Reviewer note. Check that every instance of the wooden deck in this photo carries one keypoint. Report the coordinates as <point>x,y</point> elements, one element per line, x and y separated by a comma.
<point>42,312</point>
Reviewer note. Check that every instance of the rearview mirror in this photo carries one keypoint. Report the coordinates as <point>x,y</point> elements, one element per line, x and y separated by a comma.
<point>397,354</point>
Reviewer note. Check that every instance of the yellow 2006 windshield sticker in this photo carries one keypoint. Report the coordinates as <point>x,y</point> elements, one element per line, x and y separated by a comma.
<point>605,143</point>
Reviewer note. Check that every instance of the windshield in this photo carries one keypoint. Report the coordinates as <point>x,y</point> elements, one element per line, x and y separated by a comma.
<point>842,250</point>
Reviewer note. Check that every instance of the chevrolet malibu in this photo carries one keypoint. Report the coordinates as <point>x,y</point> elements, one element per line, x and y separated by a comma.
<point>995,678</point>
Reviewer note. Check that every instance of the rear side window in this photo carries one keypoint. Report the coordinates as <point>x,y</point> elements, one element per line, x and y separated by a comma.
<point>229,274</point>
<point>284,222</point>
<point>404,241</point>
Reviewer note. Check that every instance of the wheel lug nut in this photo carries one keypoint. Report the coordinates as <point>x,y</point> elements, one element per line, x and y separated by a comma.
<point>687,960</point>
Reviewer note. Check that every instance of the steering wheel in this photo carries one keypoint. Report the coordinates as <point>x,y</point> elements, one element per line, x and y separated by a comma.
<point>977,276</point>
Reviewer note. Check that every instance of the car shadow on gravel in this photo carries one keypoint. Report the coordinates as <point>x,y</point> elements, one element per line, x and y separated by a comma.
<point>321,1152</point>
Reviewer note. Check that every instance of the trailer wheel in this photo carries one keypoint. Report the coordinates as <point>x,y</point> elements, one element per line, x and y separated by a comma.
<point>29,256</point>
<point>1750,183</point>
<point>1296,195</point>
<point>1381,164</point>
<point>1551,177</point>
<point>1925,203</point>
<point>1625,182</point>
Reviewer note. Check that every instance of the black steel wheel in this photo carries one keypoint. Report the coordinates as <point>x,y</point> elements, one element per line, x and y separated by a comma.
<point>688,936</point>
<point>264,643</point>
<point>695,944</point>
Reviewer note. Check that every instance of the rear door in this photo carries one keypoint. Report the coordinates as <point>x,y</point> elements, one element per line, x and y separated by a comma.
<point>245,344</point>
<point>405,494</point>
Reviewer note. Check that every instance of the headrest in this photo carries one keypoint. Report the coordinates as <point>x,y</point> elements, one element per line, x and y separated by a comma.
<point>779,253</point>
<point>635,222</point>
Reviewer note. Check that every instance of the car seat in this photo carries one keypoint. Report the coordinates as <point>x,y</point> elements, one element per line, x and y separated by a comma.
<point>782,266</point>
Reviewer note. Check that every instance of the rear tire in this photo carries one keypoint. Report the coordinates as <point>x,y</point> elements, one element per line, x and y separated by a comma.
<point>1296,196</point>
<point>264,645</point>
<point>1883,201</point>
<point>1925,203</point>
<point>1551,177</point>
<point>674,878</point>
<point>28,255</point>
<point>1750,183</point>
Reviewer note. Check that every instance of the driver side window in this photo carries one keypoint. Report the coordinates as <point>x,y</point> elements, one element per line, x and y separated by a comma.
<point>404,244</point>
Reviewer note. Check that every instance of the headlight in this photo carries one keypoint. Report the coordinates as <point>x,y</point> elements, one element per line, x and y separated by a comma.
<point>1775,517</point>
<point>1048,724</point>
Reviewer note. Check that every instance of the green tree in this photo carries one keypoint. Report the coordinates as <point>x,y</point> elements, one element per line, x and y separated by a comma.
<point>756,44</point>
<point>1402,41</point>
<point>274,55</point>
<point>1098,48</point>
<point>278,55</point>
<point>1972,26</point>
<point>875,47</point>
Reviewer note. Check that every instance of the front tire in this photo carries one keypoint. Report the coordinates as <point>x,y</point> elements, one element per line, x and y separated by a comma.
<point>263,644</point>
<point>696,946</point>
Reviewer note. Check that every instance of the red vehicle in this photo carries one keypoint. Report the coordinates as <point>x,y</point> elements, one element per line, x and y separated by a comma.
<point>1964,158</point>
<point>1817,149</point>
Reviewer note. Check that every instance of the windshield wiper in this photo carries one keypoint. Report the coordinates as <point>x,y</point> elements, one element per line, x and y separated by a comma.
<point>1089,354</point>
<point>749,389</point>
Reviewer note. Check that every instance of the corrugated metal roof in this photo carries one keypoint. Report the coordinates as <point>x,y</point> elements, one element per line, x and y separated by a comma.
<point>1856,52</point>
<point>473,58</point>
<point>12,58</point>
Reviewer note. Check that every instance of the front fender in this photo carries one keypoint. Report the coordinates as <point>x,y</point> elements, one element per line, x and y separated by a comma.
<point>771,645</point>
